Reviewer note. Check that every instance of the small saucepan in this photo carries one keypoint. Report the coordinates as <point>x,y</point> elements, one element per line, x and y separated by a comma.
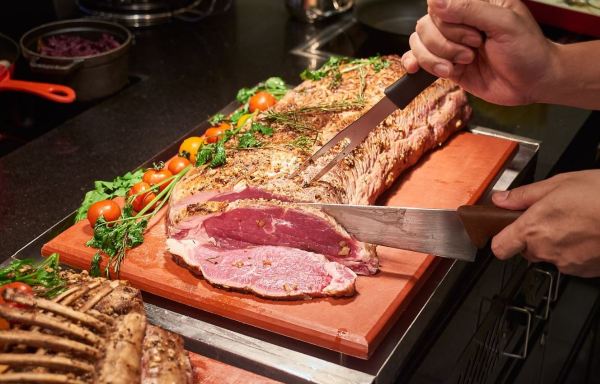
<point>9,53</point>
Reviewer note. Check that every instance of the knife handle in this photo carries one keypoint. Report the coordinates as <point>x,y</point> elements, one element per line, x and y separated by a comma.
<point>409,86</point>
<point>482,222</point>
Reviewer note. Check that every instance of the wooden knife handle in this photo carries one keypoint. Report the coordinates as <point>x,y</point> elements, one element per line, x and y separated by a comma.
<point>483,222</point>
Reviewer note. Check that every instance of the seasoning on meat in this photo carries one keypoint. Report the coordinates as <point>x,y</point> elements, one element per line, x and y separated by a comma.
<point>255,187</point>
<point>93,332</point>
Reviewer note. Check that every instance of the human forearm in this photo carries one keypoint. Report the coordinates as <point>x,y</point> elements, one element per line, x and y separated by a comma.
<point>574,76</point>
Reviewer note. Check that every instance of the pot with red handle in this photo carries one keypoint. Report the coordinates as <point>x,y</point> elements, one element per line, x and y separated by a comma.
<point>9,53</point>
<point>61,52</point>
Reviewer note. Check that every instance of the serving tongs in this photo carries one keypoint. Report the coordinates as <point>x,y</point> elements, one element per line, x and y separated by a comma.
<point>397,96</point>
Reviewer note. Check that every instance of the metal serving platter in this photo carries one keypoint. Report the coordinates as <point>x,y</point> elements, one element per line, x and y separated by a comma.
<point>292,361</point>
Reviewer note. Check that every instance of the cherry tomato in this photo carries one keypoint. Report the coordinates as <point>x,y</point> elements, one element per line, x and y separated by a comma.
<point>17,286</point>
<point>148,197</point>
<point>190,147</point>
<point>214,134</point>
<point>156,177</point>
<point>178,164</point>
<point>261,101</point>
<point>140,190</point>
<point>105,208</point>
<point>242,120</point>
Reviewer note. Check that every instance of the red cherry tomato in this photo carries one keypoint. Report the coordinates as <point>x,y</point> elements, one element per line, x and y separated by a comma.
<point>178,164</point>
<point>214,134</point>
<point>17,286</point>
<point>105,208</point>
<point>156,177</point>
<point>261,101</point>
<point>139,190</point>
<point>148,198</point>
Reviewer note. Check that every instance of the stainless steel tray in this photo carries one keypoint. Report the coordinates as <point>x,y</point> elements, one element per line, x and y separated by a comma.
<point>290,360</point>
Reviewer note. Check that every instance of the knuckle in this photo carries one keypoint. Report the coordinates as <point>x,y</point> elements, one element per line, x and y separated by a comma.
<point>420,25</point>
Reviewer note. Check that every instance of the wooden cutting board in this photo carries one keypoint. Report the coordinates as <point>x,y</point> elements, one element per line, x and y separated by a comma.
<point>454,174</point>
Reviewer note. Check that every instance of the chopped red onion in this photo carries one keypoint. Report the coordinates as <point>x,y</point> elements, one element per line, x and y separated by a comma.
<point>65,45</point>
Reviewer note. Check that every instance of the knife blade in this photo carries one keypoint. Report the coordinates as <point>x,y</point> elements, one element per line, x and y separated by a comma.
<point>450,233</point>
<point>397,96</point>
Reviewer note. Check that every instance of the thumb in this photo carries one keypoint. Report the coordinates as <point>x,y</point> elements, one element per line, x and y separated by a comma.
<point>489,18</point>
<point>523,197</point>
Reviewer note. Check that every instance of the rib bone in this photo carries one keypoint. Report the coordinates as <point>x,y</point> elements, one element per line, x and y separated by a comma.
<point>85,319</point>
<point>81,292</point>
<point>51,342</point>
<point>101,316</point>
<point>49,322</point>
<point>66,293</point>
<point>99,295</point>
<point>55,362</point>
<point>38,378</point>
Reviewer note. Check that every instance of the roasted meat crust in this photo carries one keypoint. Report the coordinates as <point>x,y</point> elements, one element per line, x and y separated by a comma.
<point>164,359</point>
<point>397,143</point>
<point>91,333</point>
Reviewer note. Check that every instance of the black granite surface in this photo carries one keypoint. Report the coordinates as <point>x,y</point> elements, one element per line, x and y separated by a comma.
<point>189,71</point>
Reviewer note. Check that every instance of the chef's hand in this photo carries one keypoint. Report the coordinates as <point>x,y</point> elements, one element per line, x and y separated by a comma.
<point>560,225</point>
<point>502,68</point>
<point>495,50</point>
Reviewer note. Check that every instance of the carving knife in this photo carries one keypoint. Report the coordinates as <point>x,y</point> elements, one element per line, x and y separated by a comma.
<point>397,96</point>
<point>451,233</point>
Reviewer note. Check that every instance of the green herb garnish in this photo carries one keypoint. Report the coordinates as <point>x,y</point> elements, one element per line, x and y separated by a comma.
<point>248,140</point>
<point>104,190</point>
<point>216,119</point>
<point>45,274</point>
<point>274,85</point>
<point>333,68</point>
<point>116,237</point>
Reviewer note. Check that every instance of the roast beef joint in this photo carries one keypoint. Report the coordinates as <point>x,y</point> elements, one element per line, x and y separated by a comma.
<point>238,226</point>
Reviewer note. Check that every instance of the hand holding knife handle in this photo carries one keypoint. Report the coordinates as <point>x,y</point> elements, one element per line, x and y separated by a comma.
<point>482,222</point>
<point>405,89</point>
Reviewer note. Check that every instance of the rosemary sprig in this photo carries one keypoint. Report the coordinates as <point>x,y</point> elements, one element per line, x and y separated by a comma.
<point>304,143</point>
<point>336,66</point>
<point>296,118</point>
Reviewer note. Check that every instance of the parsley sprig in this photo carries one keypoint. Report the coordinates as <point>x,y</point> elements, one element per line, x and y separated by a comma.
<point>104,190</point>
<point>114,238</point>
<point>44,276</point>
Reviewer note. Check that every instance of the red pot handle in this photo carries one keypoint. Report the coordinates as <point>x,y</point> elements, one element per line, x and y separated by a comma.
<point>53,92</point>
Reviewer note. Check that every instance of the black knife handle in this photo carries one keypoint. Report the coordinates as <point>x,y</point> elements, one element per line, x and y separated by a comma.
<point>405,89</point>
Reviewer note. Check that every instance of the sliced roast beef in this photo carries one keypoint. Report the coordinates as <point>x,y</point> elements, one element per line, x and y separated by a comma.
<point>196,204</point>
<point>247,223</point>
<point>269,271</point>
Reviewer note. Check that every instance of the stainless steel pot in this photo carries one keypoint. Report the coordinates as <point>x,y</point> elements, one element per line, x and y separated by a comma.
<point>93,76</point>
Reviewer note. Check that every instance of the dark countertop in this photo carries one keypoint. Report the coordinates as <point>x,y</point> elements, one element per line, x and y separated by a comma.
<point>188,72</point>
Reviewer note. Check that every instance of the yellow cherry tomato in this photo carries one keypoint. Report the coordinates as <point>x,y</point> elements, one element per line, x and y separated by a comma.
<point>243,119</point>
<point>190,146</point>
